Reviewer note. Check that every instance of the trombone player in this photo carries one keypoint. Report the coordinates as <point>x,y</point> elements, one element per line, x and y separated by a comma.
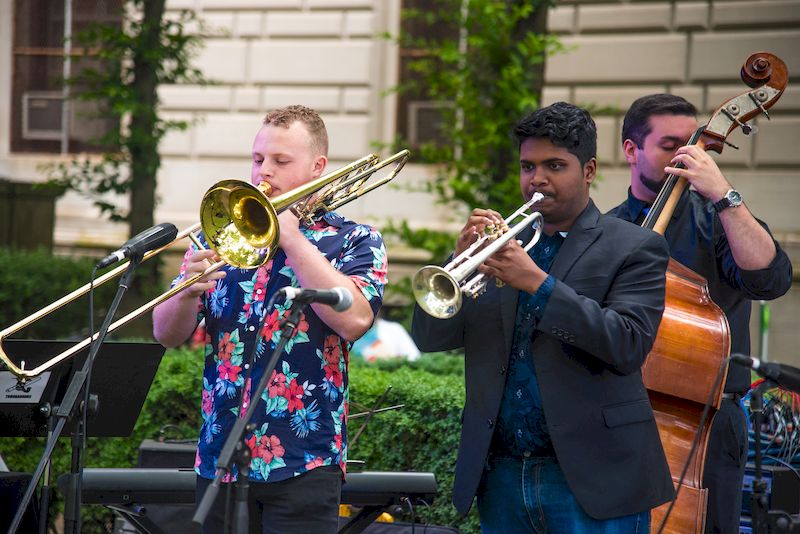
<point>299,445</point>
<point>557,427</point>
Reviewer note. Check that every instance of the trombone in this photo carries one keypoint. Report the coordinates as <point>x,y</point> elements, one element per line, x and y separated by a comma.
<point>439,290</point>
<point>240,223</point>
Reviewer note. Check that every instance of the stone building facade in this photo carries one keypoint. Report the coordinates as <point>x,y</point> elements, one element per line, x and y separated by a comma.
<point>327,54</point>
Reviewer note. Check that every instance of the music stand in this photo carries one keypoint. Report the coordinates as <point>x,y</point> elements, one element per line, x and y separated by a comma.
<point>122,374</point>
<point>121,378</point>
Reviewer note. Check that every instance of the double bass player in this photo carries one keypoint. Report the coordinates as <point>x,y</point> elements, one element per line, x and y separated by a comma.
<point>713,233</point>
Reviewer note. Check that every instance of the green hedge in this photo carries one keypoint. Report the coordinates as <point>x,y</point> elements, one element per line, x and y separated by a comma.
<point>31,280</point>
<point>423,436</point>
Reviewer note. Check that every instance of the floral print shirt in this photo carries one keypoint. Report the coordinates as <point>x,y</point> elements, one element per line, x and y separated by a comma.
<point>301,420</point>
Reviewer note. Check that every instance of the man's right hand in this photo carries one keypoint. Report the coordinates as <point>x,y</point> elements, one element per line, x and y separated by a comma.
<point>478,220</point>
<point>196,264</point>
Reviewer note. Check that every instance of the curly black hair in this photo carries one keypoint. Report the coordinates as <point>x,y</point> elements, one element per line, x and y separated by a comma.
<point>565,125</point>
<point>636,124</point>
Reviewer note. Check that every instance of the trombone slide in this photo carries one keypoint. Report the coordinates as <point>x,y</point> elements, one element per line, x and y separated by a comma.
<point>240,223</point>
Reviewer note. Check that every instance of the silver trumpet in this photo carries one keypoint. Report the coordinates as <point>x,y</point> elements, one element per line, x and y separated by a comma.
<point>439,290</point>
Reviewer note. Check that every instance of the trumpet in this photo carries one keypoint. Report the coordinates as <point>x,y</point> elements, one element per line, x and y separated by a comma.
<point>240,223</point>
<point>439,290</point>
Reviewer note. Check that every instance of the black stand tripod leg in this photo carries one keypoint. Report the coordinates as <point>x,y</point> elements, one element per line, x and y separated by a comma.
<point>72,501</point>
<point>44,496</point>
<point>241,512</point>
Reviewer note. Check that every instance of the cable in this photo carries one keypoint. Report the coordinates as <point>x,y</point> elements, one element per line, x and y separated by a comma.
<point>428,506</point>
<point>781,429</point>
<point>413,515</point>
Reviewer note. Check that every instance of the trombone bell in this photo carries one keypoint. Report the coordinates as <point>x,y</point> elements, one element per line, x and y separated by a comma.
<point>240,223</point>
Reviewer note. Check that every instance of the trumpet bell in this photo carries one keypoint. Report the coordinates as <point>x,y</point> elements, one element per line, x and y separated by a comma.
<point>240,223</point>
<point>439,290</point>
<point>436,291</point>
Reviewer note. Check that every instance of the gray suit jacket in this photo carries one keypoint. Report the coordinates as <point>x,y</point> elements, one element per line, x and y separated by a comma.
<point>598,327</point>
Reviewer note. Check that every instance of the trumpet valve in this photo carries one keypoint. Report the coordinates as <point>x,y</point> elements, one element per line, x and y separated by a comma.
<point>475,290</point>
<point>480,291</point>
<point>493,231</point>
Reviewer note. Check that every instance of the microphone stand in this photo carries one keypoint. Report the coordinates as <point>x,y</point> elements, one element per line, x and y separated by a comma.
<point>72,506</point>
<point>235,444</point>
<point>764,519</point>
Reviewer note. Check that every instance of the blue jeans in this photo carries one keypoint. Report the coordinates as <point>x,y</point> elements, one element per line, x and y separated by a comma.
<point>531,495</point>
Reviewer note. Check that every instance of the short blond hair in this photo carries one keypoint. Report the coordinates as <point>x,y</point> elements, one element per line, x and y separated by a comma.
<point>285,117</point>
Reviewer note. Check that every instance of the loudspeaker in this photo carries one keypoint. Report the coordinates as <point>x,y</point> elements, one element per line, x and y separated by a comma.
<point>783,488</point>
<point>157,454</point>
<point>167,454</point>
<point>12,489</point>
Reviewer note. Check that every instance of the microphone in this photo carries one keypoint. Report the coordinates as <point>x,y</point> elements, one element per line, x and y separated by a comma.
<point>785,376</point>
<point>337,298</point>
<point>152,238</point>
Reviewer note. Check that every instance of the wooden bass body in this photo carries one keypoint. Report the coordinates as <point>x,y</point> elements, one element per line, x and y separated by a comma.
<point>692,344</point>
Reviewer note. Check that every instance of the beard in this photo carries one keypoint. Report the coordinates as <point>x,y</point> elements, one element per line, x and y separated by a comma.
<point>651,184</point>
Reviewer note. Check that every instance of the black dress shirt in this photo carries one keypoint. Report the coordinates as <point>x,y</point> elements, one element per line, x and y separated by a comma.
<point>697,240</point>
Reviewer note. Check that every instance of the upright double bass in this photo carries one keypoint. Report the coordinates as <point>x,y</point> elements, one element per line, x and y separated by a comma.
<point>687,364</point>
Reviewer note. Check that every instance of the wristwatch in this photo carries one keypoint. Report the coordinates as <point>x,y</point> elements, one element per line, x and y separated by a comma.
<point>732,199</point>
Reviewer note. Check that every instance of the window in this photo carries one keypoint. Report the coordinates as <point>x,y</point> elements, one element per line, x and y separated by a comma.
<point>38,63</point>
<point>419,114</point>
<point>425,121</point>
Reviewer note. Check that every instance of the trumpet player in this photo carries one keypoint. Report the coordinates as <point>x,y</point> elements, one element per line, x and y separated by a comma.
<point>299,442</point>
<point>558,432</point>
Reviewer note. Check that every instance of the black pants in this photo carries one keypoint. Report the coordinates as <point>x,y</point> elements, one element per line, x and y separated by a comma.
<point>305,503</point>
<point>724,471</point>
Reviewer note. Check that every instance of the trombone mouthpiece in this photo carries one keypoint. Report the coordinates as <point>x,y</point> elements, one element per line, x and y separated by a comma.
<point>265,188</point>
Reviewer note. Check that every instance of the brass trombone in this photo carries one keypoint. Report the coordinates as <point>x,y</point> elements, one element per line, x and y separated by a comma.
<point>439,290</point>
<point>240,223</point>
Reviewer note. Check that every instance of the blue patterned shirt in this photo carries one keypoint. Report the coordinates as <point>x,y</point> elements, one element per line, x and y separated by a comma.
<point>522,429</point>
<point>301,420</point>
